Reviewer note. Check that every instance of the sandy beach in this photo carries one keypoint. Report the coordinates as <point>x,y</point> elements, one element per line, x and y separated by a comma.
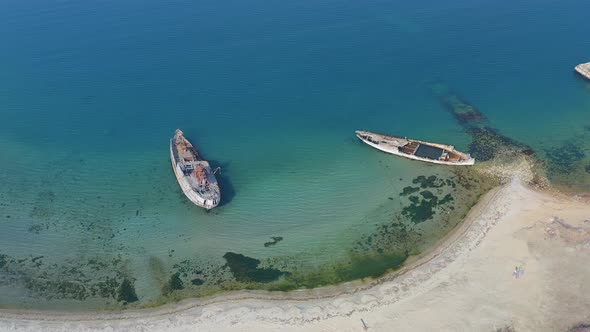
<point>517,262</point>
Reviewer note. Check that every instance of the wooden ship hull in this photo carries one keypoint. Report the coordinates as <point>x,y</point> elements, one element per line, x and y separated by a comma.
<point>416,150</point>
<point>194,175</point>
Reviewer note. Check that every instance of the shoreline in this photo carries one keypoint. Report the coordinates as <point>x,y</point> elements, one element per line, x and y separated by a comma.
<point>310,308</point>
<point>320,293</point>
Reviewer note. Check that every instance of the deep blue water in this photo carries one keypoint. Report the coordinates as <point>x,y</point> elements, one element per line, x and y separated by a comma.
<point>90,93</point>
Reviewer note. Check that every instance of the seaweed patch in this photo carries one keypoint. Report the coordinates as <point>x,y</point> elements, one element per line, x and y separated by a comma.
<point>429,182</point>
<point>175,283</point>
<point>356,267</point>
<point>197,282</point>
<point>3,260</point>
<point>420,210</point>
<point>409,190</point>
<point>194,272</point>
<point>72,279</point>
<point>275,240</point>
<point>488,143</point>
<point>423,208</point>
<point>126,292</point>
<point>245,269</point>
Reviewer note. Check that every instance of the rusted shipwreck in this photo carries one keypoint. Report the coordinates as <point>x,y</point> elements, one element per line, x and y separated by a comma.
<point>194,175</point>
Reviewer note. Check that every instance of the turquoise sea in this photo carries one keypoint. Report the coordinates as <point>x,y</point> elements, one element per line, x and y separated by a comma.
<point>91,92</point>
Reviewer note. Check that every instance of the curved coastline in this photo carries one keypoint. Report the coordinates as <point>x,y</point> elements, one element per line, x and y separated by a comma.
<point>309,305</point>
<point>320,293</point>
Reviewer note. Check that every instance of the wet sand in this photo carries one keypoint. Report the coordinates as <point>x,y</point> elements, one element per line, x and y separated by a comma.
<point>467,283</point>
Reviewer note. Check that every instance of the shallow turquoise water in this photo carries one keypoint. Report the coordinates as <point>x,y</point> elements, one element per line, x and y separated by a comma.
<point>272,92</point>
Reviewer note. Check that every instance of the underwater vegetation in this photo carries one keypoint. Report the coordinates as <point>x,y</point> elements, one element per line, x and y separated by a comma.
<point>422,207</point>
<point>275,240</point>
<point>561,159</point>
<point>358,267</point>
<point>73,279</point>
<point>430,182</point>
<point>387,246</point>
<point>189,274</point>
<point>408,191</point>
<point>488,143</point>
<point>422,210</point>
<point>3,260</point>
<point>197,282</point>
<point>245,269</point>
<point>126,292</point>
<point>175,283</point>
<point>431,206</point>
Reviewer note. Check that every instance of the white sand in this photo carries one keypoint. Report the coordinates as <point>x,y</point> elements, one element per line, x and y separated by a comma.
<point>465,284</point>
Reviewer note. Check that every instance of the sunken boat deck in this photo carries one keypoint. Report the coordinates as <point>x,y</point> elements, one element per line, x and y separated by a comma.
<point>417,150</point>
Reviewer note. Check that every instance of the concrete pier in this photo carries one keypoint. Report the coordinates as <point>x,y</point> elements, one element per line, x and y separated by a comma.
<point>584,69</point>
